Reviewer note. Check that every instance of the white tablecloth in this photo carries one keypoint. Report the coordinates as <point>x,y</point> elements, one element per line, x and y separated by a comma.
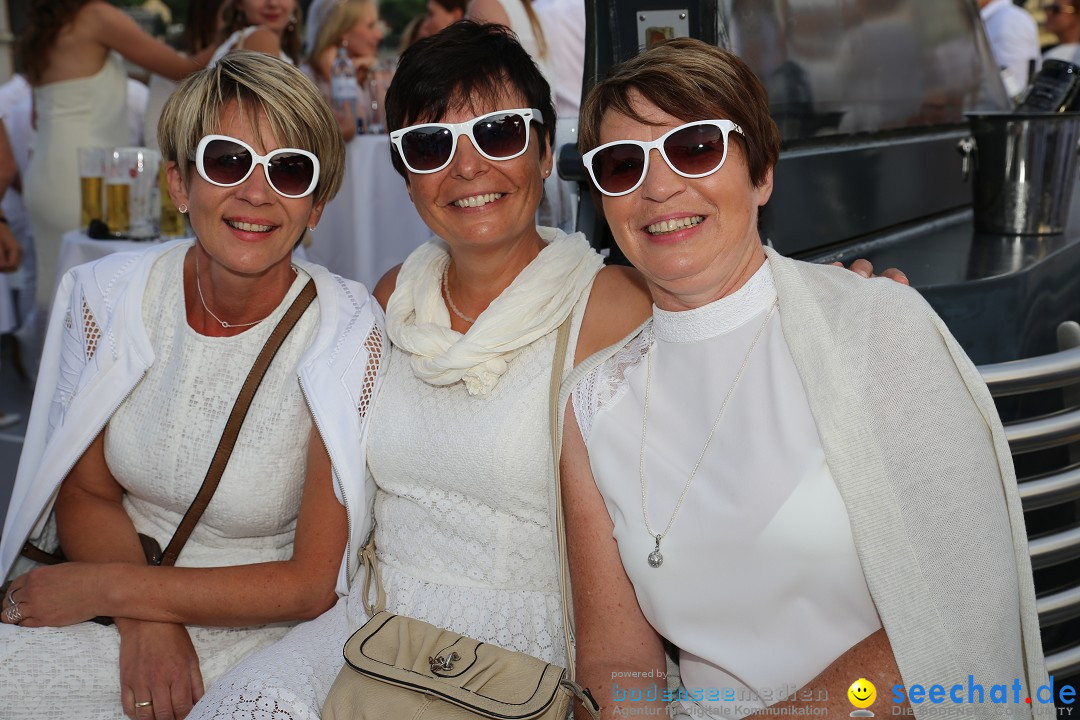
<point>371,225</point>
<point>77,248</point>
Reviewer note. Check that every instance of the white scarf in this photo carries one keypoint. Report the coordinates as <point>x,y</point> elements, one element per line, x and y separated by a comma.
<point>536,302</point>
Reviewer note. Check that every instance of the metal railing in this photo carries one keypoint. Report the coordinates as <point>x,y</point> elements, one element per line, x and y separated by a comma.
<point>1047,372</point>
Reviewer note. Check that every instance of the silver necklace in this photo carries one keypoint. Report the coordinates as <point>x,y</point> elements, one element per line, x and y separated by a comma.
<point>450,300</point>
<point>198,286</point>
<point>656,559</point>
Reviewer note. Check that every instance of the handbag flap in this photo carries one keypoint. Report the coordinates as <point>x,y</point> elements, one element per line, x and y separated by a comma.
<point>482,677</point>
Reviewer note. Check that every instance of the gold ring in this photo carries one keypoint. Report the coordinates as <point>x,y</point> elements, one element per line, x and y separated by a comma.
<point>144,703</point>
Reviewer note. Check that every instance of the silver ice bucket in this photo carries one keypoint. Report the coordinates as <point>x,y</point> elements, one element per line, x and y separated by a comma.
<point>1024,170</point>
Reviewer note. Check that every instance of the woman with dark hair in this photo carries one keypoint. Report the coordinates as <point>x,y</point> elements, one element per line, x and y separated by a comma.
<point>462,467</point>
<point>266,26</point>
<point>440,15</point>
<point>71,52</point>
<point>795,477</point>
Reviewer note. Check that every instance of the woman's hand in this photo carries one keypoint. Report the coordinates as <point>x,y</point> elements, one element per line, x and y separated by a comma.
<point>865,268</point>
<point>157,663</point>
<point>56,595</point>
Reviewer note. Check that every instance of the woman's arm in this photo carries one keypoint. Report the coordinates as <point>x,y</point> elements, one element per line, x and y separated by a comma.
<point>118,31</point>
<point>618,303</point>
<point>617,649</point>
<point>118,584</point>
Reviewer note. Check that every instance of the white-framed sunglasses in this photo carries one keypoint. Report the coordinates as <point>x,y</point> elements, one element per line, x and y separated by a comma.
<point>693,150</point>
<point>226,161</point>
<point>501,135</point>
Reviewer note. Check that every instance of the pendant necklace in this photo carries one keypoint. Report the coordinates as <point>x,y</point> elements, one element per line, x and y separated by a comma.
<point>198,286</point>
<point>656,559</point>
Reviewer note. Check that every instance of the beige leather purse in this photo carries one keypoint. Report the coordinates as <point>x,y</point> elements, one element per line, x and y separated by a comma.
<point>400,667</point>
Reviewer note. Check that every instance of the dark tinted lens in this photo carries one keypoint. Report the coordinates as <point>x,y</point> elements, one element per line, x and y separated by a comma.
<point>696,150</point>
<point>291,173</point>
<point>226,162</point>
<point>427,148</point>
<point>501,135</point>
<point>619,167</point>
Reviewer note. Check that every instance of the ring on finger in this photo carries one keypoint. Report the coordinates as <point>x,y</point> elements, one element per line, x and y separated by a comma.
<point>11,595</point>
<point>144,703</point>
<point>12,614</point>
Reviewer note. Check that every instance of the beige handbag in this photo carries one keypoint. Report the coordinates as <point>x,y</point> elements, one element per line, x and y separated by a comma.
<point>400,667</point>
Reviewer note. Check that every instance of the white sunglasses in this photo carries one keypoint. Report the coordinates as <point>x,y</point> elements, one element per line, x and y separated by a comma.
<point>501,135</point>
<point>693,150</point>
<point>226,162</point>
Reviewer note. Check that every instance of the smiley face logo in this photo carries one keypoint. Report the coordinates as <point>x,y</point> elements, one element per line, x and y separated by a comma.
<point>862,693</point>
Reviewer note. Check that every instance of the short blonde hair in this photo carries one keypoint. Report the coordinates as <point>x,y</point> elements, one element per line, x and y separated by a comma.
<point>690,80</point>
<point>257,83</point>
<point>341,19</point>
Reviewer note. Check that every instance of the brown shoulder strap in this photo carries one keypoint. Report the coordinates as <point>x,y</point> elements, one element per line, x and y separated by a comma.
<point>236,420</point>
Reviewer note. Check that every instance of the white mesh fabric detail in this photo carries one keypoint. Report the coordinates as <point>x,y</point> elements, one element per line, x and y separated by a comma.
<point>374,345</point>
<point>91,331</point>
<point>607,382</point>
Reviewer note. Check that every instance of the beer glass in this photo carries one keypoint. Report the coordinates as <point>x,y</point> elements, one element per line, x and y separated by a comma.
<point>91,184</point>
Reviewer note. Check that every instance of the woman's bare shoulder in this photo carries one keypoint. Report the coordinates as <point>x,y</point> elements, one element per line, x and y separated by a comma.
<point>385,287</point>
<point>618,303</point>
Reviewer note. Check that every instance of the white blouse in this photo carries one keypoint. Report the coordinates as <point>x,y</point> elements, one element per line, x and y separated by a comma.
<point>760,586</point>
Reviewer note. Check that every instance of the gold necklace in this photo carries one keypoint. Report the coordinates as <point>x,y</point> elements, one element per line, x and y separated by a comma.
<point>656,559</point>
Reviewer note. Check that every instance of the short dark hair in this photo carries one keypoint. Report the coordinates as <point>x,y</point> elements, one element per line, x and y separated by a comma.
<point>465,64</point>
<point>690,80</point>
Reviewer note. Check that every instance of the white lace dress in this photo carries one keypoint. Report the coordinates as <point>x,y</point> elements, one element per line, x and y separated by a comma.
<point>158,445</point>
<point>461,508</point>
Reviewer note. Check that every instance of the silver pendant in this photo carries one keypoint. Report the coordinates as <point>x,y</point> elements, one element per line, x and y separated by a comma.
<point>655,558</point>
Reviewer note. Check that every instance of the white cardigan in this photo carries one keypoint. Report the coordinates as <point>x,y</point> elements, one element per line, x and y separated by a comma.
<point>97,350</point>
<point>917,450</point>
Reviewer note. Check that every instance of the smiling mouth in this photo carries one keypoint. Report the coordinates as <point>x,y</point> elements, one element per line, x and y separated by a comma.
<point>248,227</point>
<point>669,226</point>
<point>477,200</point>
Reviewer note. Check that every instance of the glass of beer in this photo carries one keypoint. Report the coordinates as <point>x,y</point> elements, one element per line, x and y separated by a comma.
<point>120,170</point>
<point>91,184</point>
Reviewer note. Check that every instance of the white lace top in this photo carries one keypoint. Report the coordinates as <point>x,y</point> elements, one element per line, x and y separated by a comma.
<point>760,586</point>
<point>160,441</point>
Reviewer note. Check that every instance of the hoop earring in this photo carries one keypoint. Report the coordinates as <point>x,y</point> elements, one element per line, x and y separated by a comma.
<point>183,209</point>
<point>292,22</point>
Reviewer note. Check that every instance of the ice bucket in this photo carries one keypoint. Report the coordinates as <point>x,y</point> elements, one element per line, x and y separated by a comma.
<point>1024,170</point>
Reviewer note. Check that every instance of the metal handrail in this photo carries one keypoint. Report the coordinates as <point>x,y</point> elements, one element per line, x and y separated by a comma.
<point>1052,489</point>
<point>1044,432</point>
<point>1056,548</point>
<point>1064,662</point>
<point>1041,372</point>
<point>1059,607</point>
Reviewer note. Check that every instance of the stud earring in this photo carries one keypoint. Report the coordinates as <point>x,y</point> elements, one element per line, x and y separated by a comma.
<point>182,209</point>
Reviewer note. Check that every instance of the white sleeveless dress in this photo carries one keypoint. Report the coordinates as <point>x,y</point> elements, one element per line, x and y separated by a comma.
<point>461,505</point>
<point>158,445</point>
<point>760,587</point>
<point>86,112</point>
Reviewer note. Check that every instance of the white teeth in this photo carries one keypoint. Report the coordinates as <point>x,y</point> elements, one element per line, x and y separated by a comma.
<point>666,226</point>
<point>477,200</point>
<point>249,227</point>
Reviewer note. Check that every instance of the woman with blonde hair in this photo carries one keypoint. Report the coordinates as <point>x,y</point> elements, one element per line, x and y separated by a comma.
<point>146,354</point>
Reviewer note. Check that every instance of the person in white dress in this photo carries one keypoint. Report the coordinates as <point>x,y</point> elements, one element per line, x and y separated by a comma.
<point>796,478</point>
<point>71,52</point>
<point>145,357</point>
<point>462,467</point>
<point>267,26</point>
